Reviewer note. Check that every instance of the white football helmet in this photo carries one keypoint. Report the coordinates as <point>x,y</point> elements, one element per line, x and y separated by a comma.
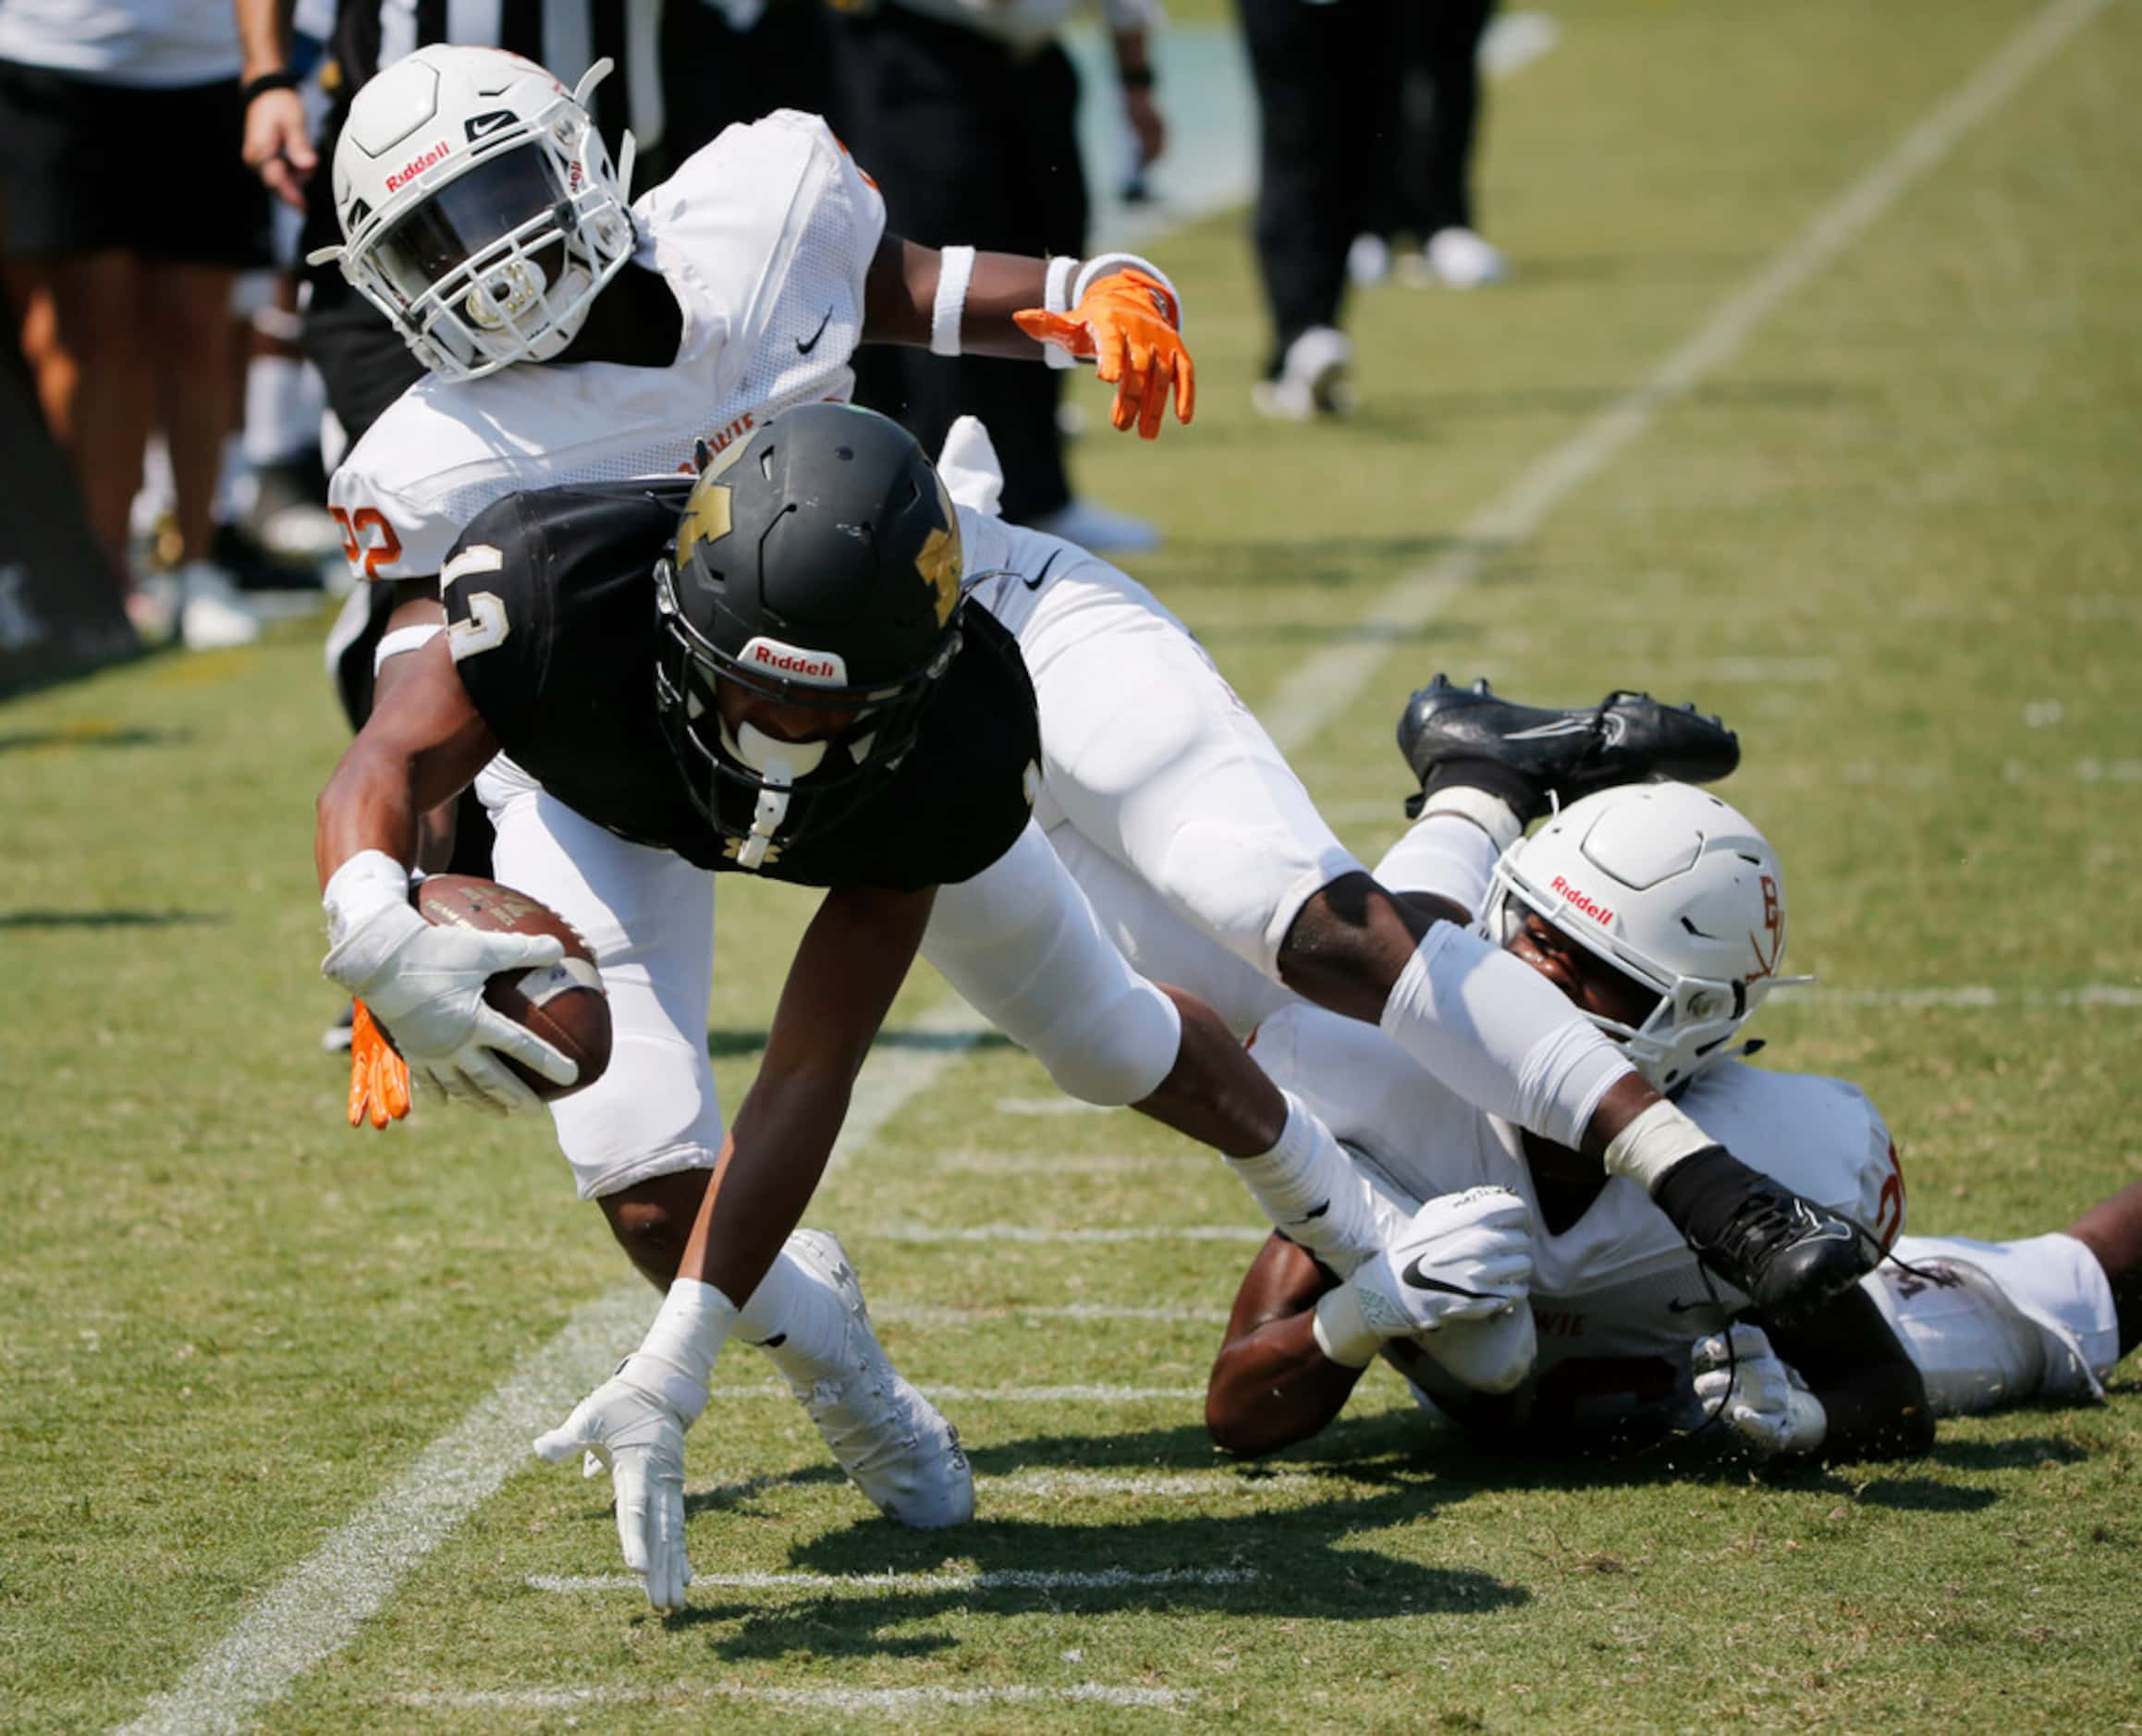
<point>1670,887</point>
<point>479,209</point>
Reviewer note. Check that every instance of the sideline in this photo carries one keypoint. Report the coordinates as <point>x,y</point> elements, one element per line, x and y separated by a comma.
<point>312,1612</point>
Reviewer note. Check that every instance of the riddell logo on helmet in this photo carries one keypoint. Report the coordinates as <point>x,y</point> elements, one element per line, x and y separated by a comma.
<point>1582,901</point>
<point>417,165</point>
<point>814,668</point>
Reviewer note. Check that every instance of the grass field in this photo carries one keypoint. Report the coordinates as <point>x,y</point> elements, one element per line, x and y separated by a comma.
<point>1884,517</point>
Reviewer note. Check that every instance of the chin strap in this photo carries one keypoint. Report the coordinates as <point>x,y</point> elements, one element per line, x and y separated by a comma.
<point>780,763</point>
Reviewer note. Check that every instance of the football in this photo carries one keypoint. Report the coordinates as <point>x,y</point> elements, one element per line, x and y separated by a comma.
<point>564,1004</point>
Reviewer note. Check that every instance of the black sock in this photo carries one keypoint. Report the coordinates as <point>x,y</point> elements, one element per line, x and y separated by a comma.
<point>1700,1193</point>
<point>1527,799</point>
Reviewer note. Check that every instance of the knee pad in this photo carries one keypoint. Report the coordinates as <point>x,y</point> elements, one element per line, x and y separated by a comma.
<point>1116,1052</point>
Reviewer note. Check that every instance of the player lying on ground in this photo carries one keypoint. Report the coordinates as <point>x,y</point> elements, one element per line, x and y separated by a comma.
<point>1621,1331</point>
<point>772,669</point>
<point>503,248</point>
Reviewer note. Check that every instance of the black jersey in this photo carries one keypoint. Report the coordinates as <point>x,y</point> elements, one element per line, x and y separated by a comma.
<point>550,601</point>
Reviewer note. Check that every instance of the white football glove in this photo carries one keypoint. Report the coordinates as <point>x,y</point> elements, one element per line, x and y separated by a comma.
<point>1462,1256</point>
<point>425,985</point>
<point>634,1423</point>
<point>1740,1379</point>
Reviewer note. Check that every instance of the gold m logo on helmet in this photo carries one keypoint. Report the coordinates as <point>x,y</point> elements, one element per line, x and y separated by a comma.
<point>940,560</point>
<point>938,563</point>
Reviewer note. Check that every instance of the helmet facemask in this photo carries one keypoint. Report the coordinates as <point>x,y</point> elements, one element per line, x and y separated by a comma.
<point>799,786</point>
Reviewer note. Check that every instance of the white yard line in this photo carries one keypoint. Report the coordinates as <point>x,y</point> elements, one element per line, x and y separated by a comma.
<point>887,1701</point>
<point>986,1580</point>
<point>1043,1232</point>
<point>315,1608</point>
<point>1968,996</point>
<point>929,1314</point>
<point>1317,689</point>
<point>1075,1394</point>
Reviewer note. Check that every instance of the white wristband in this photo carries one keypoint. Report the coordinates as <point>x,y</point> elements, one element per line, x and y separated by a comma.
<point>1653,1144</point>
<point>1056,298</point>
<point>366,884</point>
<point>693,1325</point>
<point>1341,1329</point>
<point>405,639</point>
<point>1107,264</point>
<point>955,272</point>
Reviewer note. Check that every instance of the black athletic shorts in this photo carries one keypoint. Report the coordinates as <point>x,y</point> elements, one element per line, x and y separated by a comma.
<point>86,165</point>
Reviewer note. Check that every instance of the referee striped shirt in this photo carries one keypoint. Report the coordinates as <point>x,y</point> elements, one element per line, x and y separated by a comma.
<point>565,36</point>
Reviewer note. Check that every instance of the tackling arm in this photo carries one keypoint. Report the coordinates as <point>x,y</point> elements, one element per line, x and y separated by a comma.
<point>1271,1384</point>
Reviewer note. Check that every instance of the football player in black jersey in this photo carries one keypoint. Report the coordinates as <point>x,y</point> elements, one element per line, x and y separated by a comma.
<point>770,669</point>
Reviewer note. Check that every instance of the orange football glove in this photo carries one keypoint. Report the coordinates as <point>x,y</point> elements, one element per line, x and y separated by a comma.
<point>378,1077</point>
<point>1126,324</point>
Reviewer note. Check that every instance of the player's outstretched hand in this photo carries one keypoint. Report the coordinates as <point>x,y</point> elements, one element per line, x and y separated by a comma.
<point>378,1077</point>
<point>1127,324</point>
<point>634,1424</point>
<point>1742,1380</point>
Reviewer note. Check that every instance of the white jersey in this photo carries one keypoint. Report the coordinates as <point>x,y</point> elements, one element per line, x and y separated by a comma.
<point>764,237</point>
<point>1621,1281</point>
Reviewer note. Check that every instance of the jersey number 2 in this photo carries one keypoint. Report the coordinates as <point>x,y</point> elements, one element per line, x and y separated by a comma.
<point>364,554</point>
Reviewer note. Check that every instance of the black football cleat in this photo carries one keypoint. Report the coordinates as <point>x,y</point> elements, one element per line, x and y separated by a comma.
<point>1788,1256</point>
<point>1625,739</point>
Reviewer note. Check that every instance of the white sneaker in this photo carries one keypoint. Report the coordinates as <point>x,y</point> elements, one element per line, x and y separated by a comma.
<point>1460,260</point>
<point>895,1443</point>
<point>1368,260</point>
<point>1311,380</point>
<point>1091,525</point>
<point>210,617</point>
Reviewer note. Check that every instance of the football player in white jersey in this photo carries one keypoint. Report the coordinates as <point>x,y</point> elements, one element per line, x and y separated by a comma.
<point>480,211</point>
<point>1659,911</point>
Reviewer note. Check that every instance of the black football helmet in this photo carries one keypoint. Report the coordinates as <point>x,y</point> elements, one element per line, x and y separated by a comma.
<point>818,564</point>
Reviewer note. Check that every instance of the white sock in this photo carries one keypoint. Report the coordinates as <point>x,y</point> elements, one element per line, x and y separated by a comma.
<point>1315,1195</point>
<point>1501,1035</point>
<point>1451,851</point>
<point>798,1321</point>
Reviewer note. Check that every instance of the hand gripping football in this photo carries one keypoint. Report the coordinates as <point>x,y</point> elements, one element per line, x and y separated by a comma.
<point>563,1004</point>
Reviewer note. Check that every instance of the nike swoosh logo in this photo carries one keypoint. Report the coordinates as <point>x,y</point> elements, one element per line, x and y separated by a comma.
<point>803,349</point>
<point>1417,1279</point>
<point>1561,726</point>
<point>484,125</point>
<point>1674,1305</point>
<point>1035,584</point>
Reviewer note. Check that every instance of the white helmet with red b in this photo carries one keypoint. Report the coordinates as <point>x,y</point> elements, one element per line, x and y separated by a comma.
<point>479,209</point>
<point>1671,886</point>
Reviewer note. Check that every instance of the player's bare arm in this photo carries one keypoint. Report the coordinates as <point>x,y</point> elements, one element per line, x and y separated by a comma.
<point>851,963</point>
<point>1115,311</point>
<point>423,744</point>
<point>1271,1384</point>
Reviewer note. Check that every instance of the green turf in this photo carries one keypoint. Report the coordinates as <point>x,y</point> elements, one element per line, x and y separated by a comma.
<point>1885,539</point>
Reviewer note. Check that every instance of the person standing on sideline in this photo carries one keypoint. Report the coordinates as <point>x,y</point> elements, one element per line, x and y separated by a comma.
<point>966,115</point>
<point>127,219</point>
